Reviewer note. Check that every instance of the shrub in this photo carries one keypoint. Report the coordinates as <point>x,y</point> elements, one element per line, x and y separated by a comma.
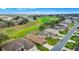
<point>1,19</point>
<point>41,27</point>
<point>41,48</point>
<point>3,37</point>
<point>70,45</point>
<point>6,23</point>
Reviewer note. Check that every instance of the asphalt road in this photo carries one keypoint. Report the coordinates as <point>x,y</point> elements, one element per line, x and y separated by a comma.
<point>62,42</point>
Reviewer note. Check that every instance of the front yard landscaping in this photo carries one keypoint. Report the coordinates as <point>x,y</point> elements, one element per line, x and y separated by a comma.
<point>63,32</point>
<point>66,31</point>
<point>52,41</point>
<point>70,45</point>
<point>74,38</point>
<point>71,25</point>
<point>41,48</point>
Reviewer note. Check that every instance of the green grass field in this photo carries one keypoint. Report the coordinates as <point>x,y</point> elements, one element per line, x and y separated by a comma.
<point>47,19</point>
<point>25,31</point>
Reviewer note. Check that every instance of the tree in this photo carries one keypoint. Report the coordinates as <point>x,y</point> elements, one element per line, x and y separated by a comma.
<point>19,20</point>
<point>34,17</point>
<point>46,23</point>
<point>3,37</point>
<point>2,25</point>
<point>22,21</point>
<point>10,23</point>
<point>7,23</point>
<point>61,18</point>
<point>41,27</point>
<point>16,18</point>
<point>1,19</point>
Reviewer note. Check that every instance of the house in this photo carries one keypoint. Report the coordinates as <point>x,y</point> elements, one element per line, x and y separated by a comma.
<point>18,45</point>
<point>6,17</point>
<point>50,32</point>
<point>36,38</point>
<point>57,27</point>
<point>67,21</point>
<point>63,26</point>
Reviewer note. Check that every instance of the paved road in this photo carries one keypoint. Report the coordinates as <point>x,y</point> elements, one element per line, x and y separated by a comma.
<point>62,42</point>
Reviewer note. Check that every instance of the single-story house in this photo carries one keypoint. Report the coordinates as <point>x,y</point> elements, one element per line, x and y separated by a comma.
<point>63,26</point>
<point>18,45</point>
<point>57,27</point>
<point>36,38</point>
<point>50,32</point>
<point>67,21</point>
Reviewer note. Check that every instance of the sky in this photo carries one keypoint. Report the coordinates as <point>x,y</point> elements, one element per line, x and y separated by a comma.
<point>39,10</point>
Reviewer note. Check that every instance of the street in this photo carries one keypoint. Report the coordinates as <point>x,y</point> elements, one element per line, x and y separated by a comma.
<point>62,42</point>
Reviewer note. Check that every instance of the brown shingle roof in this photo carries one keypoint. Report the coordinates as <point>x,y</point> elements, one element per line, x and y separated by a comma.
<point>16,44</point>
<point>36,38</point>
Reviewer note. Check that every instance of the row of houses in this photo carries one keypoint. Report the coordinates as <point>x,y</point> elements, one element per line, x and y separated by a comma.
<point>24,44</point>
<point>54,31</point>
<point>28,42</point>
<point>63,25</point>
<point>50,32</point>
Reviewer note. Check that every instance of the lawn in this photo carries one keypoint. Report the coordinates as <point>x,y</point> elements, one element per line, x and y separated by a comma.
<point>71,25</point>
<point>41,48</point>
<point>77,32</point>
<point>74,38</point>
<point>52,41</point>
<point>25,31</point>
<point>47,19</point>
<point>9,31</point>
<point>70,45</point>
<point>63,32</point>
